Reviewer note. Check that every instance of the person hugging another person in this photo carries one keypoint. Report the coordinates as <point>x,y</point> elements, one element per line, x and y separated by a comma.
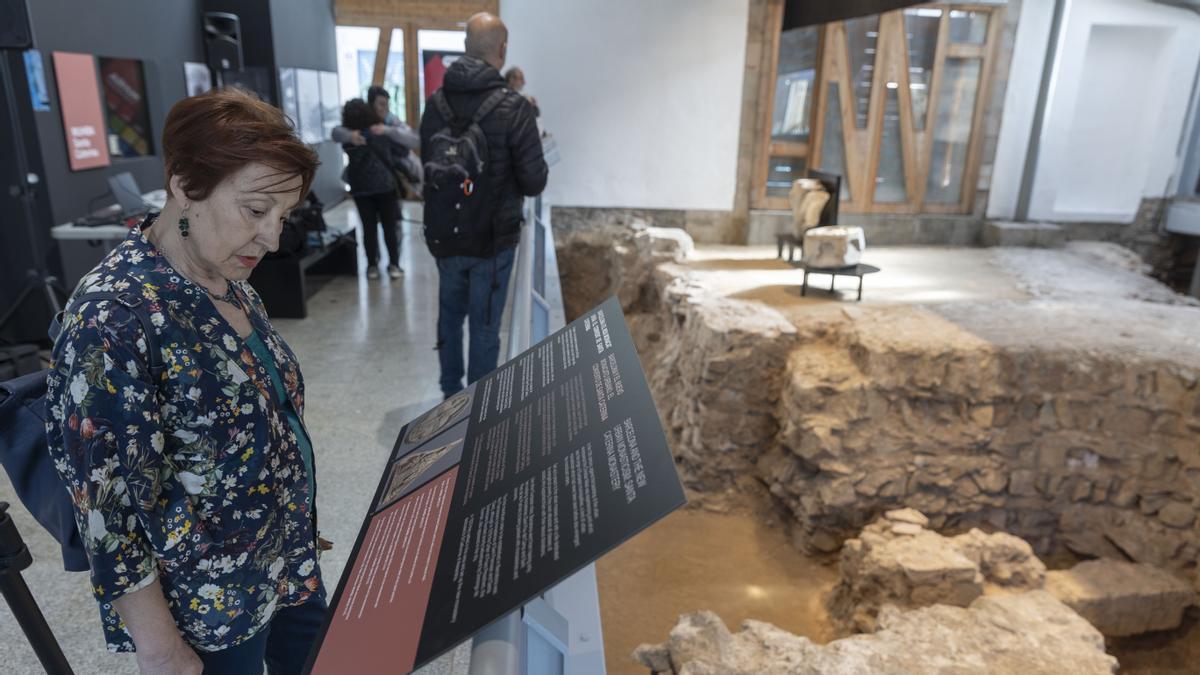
<point>374,157</point>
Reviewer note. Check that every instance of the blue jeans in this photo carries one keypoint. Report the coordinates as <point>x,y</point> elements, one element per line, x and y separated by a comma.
<point>475,288</point>
<point>283,644</point>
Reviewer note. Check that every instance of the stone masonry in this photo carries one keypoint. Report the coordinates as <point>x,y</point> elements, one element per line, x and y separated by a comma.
<point>979,415</point>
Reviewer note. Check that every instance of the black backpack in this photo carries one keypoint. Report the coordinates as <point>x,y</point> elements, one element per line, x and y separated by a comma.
<point>456,159</point>
<point>25,454</point>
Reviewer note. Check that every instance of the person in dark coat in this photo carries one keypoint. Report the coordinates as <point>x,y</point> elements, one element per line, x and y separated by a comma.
<point>474,269</point>
<point>370,174</point>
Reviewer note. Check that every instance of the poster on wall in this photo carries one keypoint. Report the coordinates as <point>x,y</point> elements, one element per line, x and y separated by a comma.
<point>288,102</point>
<point>308,100</point>
<point>83,117</point>
<point>128,113</point>
<point>499,493</point>
<point>35,74</point>
<point>331,105</point>
<point>434,64</point>
<point>197,78</point>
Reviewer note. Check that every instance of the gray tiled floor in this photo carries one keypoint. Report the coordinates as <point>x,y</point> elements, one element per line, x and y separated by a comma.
<point>366,351</point>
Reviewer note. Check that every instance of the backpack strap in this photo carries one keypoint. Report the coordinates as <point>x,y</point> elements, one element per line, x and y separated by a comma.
<point>129,301</point>
<point>443,106</point>
<point>489,104</point>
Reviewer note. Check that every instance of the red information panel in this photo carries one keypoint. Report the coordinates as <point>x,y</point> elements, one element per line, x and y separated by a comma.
<point>83,118</point>
<point>385,596</point>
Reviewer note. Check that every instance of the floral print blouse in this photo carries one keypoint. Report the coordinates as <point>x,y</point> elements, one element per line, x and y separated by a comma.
<point>196,479</point>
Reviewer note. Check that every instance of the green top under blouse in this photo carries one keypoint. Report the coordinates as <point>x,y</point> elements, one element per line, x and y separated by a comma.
<point>264,356</point>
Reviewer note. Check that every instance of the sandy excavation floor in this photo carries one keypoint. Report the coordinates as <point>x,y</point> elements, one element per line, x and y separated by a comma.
<point>741,565</point>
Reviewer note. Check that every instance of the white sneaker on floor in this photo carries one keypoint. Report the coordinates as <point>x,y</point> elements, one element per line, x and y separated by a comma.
<point>372,272</point>
<point>395,272</point>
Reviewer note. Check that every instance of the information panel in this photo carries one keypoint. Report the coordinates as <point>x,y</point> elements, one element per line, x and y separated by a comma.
<point>499,493</point>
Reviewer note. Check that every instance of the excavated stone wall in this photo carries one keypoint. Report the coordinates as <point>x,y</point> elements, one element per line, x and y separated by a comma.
<point>848,412</point>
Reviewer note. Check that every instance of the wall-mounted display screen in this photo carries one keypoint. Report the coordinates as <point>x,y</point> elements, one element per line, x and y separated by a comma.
<point>308,96</point>
<point>331,103</point>
<point>127,113</point>
<point>288,102</point>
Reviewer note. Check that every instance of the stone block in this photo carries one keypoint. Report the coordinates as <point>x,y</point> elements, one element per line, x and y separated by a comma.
<point>1028,235</point>
<point>830,247</point>
<point>1003,559</point>
<point>1121,598</point>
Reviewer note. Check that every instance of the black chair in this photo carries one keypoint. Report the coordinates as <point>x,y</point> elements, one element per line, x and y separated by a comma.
<point>832,183</point>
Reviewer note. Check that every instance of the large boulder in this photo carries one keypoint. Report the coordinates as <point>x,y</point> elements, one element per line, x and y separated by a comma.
<point>896,561</point>
<point>1028,633</point>
<point>1121,598</point>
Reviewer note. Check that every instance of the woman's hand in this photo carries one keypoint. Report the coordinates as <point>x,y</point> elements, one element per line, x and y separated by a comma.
<point>378,129</point>
<point>356,138</point>
<point>178,658</point>
<point>161,648</point>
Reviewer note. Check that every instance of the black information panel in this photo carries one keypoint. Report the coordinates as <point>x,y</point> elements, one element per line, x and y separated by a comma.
<point>499,493</point>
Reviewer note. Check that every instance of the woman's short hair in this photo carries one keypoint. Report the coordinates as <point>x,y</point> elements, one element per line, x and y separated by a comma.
<point>213,135</point>
<point>357,115</point>
<point>375,92</point>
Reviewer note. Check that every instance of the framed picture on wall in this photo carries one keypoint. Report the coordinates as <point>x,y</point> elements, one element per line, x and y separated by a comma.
<point>308,99</point>
<point>83,116</point>
<point>197,78</point>
<point>127,113</point>
<point>331,104</point>
<point>288,101</point>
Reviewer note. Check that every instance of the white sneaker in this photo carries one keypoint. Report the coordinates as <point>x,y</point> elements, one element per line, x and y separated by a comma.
<point>372,272</point>
<point>395,272</point>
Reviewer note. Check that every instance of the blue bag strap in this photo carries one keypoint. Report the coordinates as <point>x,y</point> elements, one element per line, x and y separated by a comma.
<point>129,301</point>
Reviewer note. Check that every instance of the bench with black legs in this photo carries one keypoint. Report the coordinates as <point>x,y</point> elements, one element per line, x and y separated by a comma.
<point>860,270</point>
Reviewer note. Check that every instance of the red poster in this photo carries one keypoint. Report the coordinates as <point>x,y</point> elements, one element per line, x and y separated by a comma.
<point>378,622</point>
<point>436,63</point>
<point>83,118</point>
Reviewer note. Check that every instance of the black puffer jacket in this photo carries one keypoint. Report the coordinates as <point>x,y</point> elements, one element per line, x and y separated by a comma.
<point>369,171</point>
<point>516,166</point>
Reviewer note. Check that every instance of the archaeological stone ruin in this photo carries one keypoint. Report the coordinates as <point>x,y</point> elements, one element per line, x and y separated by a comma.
<point>940,452</point>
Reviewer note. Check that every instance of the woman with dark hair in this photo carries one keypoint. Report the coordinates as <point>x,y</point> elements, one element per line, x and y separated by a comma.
<point>371,175</point>
<point>176,411</point>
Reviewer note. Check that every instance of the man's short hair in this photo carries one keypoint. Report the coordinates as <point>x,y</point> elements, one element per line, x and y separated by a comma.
<point>375,92</point>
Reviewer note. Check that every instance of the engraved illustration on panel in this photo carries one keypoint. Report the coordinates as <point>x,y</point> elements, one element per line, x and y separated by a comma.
<point>407,469</point>
<point>438,419</point>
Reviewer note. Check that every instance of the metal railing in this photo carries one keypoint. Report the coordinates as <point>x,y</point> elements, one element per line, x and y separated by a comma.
<point>558,633</point>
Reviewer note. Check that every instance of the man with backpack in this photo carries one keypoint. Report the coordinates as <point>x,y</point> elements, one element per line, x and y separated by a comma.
<point>482,156</point>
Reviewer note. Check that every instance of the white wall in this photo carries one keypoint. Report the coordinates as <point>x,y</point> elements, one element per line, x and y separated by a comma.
<point>643,96</point>
<point>1020,105</point>
<point>1119,94</point>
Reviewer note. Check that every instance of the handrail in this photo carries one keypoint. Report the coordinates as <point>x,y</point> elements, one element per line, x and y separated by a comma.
<point>558,633</point>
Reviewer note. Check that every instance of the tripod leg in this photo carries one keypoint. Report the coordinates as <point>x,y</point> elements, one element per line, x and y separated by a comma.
<point>37,631</point>
<point>14,557</point>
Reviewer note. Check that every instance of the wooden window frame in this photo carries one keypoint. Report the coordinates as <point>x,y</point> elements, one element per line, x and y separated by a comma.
<point>410,16</point>
<point>862,145</point>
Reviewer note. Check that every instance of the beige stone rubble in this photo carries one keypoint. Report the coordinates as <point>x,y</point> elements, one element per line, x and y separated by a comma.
<point>895,561</point>
<point>1028,633</point>
<point>1121,598</point>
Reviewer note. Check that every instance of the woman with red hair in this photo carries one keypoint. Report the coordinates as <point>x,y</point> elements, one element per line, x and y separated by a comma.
<point>176,411</point>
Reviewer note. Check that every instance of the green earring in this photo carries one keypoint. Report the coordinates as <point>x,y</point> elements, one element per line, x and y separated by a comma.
<point>183,226</point>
